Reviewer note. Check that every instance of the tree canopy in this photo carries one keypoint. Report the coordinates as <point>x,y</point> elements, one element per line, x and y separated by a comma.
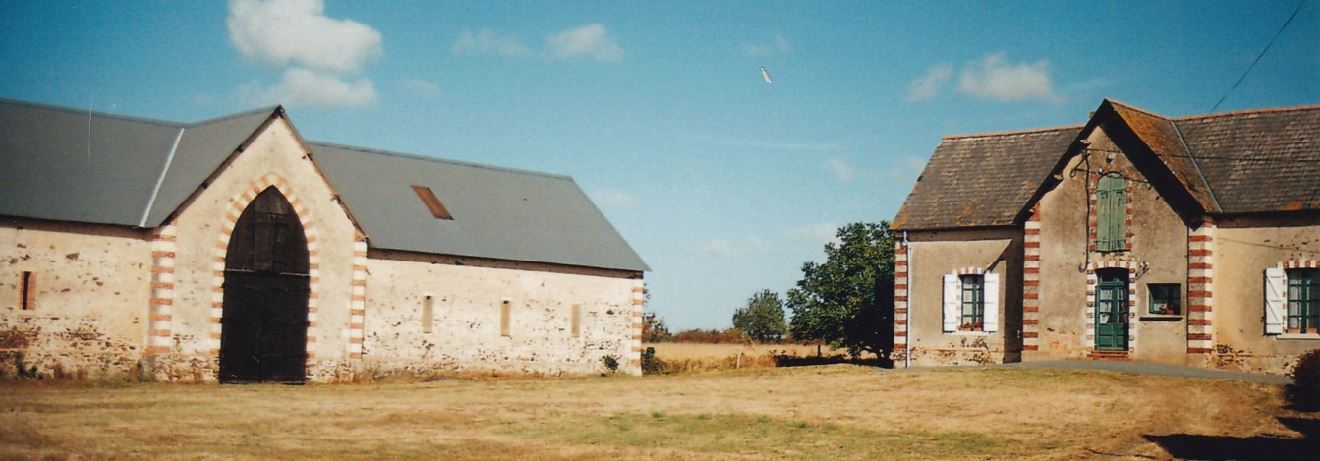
<point>849,299</point>
<point>762,319</point>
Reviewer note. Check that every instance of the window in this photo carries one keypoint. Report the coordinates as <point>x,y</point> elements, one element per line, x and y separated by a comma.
<point>433,204</point>
<point>971,302</point>
<point>1165,299</point>
<point>1111,214</point>
<point>576,320</point>
<point>428,304</point>
<point>25,291</point>
<point>972,310</point>
<point>1303,300</point>
<point>505,308</point>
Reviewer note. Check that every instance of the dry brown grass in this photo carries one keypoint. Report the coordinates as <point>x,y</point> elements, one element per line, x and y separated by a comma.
<point>832,412</point>
<point>707,357</point>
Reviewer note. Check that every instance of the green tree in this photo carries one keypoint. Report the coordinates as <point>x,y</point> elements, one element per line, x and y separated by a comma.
<point>762,319</point>
<point>849,299</point>
<point>654,329</point>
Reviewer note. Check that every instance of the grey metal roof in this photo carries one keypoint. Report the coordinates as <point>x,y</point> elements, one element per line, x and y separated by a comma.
<point>499,213</point>
<point>73,165</point>
<point>76,165</point>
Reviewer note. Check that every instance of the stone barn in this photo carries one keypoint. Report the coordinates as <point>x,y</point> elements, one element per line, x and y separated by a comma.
<point>234,250</point>
<point>1186,240</point>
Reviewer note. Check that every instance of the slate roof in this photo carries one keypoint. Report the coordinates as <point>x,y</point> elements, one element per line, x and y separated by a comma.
<point>498,213</point>
<point>982,180</point>
<point>74,165</point>
<point>1258,161</point>
<point>1255,161</point>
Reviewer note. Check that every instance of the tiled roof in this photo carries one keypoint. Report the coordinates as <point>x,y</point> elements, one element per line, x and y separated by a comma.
<point>1255,161</point>
<point>982,180</point>
<point>1258,161</point>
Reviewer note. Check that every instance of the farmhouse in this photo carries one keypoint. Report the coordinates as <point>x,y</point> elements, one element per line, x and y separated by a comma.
<point>1190,240</point>
<point>233,249</point>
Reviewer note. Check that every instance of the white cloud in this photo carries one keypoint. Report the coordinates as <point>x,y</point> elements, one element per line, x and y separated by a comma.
<point>613,198</point>
<point>303,87</point>
<point>925,88</point>
<point>487,41</point>
<point>284,32</point>
<point>588,41</point>
<point>423,88</point>
<point>815,234</point>
<point>780,45</point>
<point>840,169</point>
<point>993,78</point>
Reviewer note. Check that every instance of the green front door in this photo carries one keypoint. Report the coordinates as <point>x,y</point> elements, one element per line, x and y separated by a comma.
<point>1111,305</point>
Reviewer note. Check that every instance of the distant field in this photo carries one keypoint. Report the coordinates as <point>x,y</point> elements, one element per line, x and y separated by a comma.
<point>829,412</point>
<point>692,351</point>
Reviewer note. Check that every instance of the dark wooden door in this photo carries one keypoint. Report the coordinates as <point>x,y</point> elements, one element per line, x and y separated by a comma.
<point>264,324</point>
<point>1111,311</point>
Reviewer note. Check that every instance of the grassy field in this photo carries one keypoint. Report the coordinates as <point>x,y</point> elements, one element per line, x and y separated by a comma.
<point>829,412</point>
<point>705,357</point>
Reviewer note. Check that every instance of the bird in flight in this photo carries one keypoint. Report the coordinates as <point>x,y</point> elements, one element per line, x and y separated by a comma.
<point>766,74</point>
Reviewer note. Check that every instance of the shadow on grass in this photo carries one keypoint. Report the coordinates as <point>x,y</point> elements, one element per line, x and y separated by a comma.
<point>1210,447</point>
<point>1302,398</point>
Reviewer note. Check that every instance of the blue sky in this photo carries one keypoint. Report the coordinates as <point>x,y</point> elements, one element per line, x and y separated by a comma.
<point>723,183</point>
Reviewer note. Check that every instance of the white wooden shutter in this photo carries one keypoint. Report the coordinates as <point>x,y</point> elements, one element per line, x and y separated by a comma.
<point>991,293</point>
<point>951,292</point>
<point>1276,298</point>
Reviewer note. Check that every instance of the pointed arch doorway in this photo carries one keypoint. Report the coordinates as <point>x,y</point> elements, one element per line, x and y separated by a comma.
<point>263,332</point>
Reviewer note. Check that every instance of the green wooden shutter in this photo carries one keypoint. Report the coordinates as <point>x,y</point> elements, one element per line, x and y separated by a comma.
<point>1111,214</point>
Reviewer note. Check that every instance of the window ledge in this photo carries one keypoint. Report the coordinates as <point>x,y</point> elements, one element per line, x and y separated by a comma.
<point>968,333</point>
<point>1161,318</point>
<point>1312,336</point>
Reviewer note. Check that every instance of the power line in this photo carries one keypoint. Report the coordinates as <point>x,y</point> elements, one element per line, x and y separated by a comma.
<point>1262,53</point>
<point>1217,157</point>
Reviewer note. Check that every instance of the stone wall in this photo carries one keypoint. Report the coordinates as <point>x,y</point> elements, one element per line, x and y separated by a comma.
<point>466,299</point>
<point>86,314</point>
<point>273,158</point>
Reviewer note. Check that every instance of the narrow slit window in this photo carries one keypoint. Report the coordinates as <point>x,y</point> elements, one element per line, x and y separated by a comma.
<point>26,291</point>
<point>433,204</point>
<point>428,315</point>
<point>505,307</point>
<point>575,317</point>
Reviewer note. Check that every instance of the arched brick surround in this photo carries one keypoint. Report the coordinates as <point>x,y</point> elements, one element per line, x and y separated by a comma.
<point>1091,281</point>
<point>1300,264</point>
<point>969,270</point>
<point>236,206</point>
